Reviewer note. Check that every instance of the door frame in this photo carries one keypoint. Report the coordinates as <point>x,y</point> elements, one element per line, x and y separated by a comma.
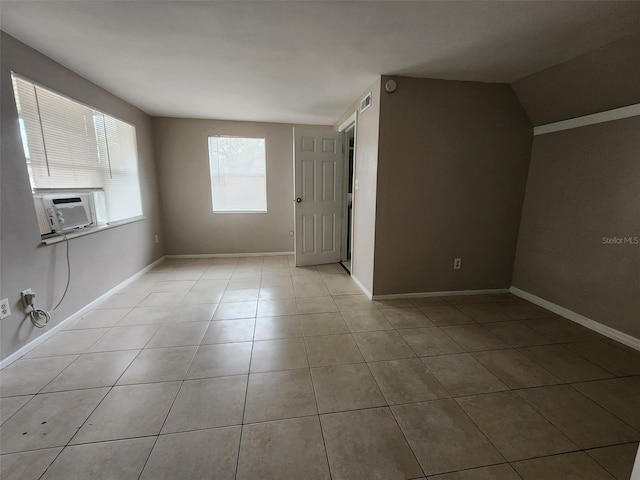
<point>351,121</point>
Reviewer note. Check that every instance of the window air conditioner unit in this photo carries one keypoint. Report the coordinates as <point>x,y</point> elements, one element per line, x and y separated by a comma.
<point>62,212</point>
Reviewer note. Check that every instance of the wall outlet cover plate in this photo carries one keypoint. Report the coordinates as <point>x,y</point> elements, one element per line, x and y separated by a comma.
<point>5,310</point>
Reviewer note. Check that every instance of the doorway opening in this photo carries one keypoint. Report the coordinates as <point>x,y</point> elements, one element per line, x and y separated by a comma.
<point>347,217</point>
<point>324,184</point>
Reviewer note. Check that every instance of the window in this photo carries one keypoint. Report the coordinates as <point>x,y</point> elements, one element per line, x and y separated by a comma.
<point>72,146</point>
<point>238,174</point>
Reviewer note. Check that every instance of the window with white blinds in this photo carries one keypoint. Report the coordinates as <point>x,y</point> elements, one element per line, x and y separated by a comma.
<point>69,145</point>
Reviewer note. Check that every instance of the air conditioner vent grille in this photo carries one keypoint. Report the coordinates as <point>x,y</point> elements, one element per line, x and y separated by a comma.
<point>365,102</point>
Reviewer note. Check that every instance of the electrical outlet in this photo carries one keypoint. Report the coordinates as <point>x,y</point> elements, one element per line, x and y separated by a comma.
<point>27,297</point>
<point>5,311</point>
<point>291,233</point>
<point>457,263</point>
<point>156,239</point>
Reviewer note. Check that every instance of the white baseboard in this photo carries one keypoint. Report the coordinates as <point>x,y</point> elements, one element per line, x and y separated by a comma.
<point>394,296</point>
<point>605,330</point>
<point>223,255</point>
<point>37,341</point>
<point>362,287</point>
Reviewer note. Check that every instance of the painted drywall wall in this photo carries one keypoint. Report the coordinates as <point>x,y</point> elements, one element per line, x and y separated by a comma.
<point>99,261</point>
<point>452,168</point>
<point>583,189</point>
<point>190,226</point>
<point>606,78</point>
<point>365,193</point>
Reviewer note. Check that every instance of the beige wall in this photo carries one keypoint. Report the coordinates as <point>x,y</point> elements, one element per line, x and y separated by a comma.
<point>99,261</point>
<point>190,226</point>
<point>584,185</point>
<point>606,78</point>
<point>365,196</point>
<point>452,170</point>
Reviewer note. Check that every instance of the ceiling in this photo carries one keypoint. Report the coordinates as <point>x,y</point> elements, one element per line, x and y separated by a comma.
<point>302,62</point>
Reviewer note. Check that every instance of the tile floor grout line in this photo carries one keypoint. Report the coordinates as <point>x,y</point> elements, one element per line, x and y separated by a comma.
<point>635,429</point>
<point>94,386</point>
<point>388,407</point>
<point>540,412</point>
<point>33,395</point>
<point>506,462</point>
<point>244,409</point>
<point>45,386</point>
<point>78,429</point>
<point>64,354</point>
<point>528,458</point>
<point>135,437</point>
<point>157,436</point>
<point>509,389</point>
<point>437,380</point>
<point>601,464</point>
<point>562,382</point>
<point>606,379</point>
<point>589,360</point>
<point>52,462</point>
<point>484,434</point>
<point>573,353</point>
<point>91,413</point>
<point>393,414</point>
<point>617,444</point>
<point>559,454</point>
<point>315,397</point>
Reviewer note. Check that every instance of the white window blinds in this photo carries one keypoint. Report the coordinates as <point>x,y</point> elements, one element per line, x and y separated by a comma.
<point>69,145</point>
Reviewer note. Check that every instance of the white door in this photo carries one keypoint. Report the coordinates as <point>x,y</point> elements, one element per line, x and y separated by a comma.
<point>318,165</point>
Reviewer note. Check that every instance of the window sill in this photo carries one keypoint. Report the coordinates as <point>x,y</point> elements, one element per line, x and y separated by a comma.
<point>88,231</point>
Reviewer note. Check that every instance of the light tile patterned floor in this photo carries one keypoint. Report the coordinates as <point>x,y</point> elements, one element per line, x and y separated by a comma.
<point>250,368</point>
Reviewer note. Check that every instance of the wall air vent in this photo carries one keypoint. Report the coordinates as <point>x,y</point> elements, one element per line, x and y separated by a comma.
<point>365,102</point>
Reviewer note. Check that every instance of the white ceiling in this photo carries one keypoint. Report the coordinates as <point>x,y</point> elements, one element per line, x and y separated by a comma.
<point>302,62</point>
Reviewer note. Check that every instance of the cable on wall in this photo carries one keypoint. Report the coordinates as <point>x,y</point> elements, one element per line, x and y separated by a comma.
<point>37,315</point>
<point>66,288</point>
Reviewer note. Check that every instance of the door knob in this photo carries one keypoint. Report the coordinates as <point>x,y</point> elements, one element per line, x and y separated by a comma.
<point>298,200</point>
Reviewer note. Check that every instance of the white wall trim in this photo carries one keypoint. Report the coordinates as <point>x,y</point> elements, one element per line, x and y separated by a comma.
<point>362,287</point>
<point>394,296</point>
<point>635,474</point>
<point>600,117</point>
<point>219,255</point>
<point>348,122</point>
<point>605,330</point>
<point>37,341</point>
